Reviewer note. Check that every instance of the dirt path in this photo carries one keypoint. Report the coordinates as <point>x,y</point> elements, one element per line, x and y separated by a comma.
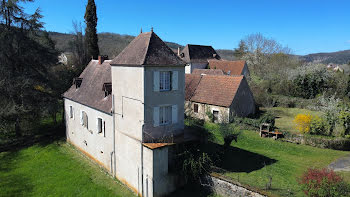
<point>342,164</point>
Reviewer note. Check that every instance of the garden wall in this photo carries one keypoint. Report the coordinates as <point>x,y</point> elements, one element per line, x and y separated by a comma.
<point>227,188</point>
<point>336,143</point>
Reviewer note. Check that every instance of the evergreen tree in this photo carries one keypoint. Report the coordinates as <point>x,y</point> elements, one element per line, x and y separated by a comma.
<point>91,38</point>
<point>241,50</point>
<point>26,54</point>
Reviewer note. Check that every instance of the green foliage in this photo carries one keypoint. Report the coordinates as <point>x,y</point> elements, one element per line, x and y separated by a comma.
<point>310,84</point>
<point>240,51</point>
<point>344,120</point>
<point>318,126</point>
<point>195,165</point>
<point>210,115</point>
<point>91,38</point>
<point>27,55</point>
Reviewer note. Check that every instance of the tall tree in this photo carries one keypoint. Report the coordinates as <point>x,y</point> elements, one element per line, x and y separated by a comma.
<point>91,38</point>
<point>240,51</point>
<point>26,54</point>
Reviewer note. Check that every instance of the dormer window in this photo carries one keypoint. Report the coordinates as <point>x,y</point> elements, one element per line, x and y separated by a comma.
<point>165,81</point>
<point>107,88</point>
<point>77,82</point>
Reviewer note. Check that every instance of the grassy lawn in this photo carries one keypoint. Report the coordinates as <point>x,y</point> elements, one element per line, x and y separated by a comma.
<point>253,159</point>
<point>285,117</point>
<point>54,169</point>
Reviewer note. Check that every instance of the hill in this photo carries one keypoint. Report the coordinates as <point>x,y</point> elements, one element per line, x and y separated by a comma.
<point>339,57</point>
<point>112,44</point>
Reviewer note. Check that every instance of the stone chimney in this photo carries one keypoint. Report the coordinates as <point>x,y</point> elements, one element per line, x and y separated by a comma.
<point>102,58</point>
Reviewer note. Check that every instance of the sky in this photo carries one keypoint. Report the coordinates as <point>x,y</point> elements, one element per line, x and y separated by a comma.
<point>305,26</point>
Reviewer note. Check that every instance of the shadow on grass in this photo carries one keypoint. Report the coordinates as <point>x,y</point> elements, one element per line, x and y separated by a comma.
<point>48,134</point>
<point>234,159</point>
<point>12,182</point>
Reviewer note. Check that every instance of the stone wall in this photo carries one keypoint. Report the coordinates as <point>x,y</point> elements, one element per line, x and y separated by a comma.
<point>225,188</point>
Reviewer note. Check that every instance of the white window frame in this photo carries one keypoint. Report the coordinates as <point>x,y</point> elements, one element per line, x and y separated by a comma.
<point>163,113</point>
<point>165,81</point>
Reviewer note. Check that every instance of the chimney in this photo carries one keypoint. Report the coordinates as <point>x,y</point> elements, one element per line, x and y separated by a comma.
<point>178,51</point>
<point>102,58</point>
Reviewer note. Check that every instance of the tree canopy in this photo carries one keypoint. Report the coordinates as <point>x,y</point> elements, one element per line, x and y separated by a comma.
<point>91,38</point>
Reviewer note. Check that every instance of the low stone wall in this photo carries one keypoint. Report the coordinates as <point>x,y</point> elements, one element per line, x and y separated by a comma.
<point>336,143</point>
<point>225,188</point>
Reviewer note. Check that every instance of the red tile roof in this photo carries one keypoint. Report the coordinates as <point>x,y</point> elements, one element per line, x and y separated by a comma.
<point>217,90</point>
<point>234,67</point>
<point>208,72</point>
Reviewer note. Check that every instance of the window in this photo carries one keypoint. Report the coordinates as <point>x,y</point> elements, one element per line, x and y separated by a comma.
<point>215,116</point>
<point>164,115</point>
<point>195,108</point>
<point>165,81</point>
<point>71,113</point>
<point>84,119</point>
<point>99,125</point>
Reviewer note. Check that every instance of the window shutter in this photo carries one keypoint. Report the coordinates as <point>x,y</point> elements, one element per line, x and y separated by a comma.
<point>175,80</point>
<point>156,116</point>
<point>81,117</point>
<point>156,81</point>
<point>174,114</point>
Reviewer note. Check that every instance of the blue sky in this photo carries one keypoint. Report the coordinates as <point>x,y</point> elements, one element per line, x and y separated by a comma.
<point>305,26</point>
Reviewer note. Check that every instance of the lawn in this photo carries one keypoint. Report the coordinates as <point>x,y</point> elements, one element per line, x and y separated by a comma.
<point>54,169</point>
<point>285,117</point>
<point>253,159</point>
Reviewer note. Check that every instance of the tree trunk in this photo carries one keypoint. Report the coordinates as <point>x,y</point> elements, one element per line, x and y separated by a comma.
<point>18,127</point>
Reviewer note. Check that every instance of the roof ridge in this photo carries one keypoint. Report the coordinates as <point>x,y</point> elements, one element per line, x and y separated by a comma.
<point>149,42</point>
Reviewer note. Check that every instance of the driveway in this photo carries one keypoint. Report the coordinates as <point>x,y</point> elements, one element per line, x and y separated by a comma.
<point>342,164</point>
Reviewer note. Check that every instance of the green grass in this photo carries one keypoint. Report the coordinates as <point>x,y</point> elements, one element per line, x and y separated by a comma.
<point>252,159</point>
<point>54,169</point>
<point>285,117</point>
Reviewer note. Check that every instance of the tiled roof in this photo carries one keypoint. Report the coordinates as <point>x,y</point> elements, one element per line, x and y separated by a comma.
<point>208,72</point>
<point>212,89</point>
<point>147,49</point>
<point>90,92</point>
<point>198,53</point>
<point>234,67</point>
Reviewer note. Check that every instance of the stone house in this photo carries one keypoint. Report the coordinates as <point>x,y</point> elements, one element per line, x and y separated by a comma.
<point>197,56</point>
<point>220,97</point>
<point>127,113</point>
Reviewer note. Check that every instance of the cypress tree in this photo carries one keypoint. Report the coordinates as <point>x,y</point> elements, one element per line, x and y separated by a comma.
<point>91,38</point>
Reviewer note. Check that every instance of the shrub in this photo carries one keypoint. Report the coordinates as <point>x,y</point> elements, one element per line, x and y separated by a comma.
<point>344,120</point>
<point>303,122</point>
<point>323,182</point>
<point>318,126</point>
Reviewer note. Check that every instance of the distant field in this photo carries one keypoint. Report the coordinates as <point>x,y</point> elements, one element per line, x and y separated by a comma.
<point>54,169</point>
<point>285,117</point>
<point>253,159</point>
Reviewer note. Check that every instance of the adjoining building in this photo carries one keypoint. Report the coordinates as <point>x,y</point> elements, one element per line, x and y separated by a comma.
<point>218,98</point>
<point>127,113</point>
<point>197,56</point>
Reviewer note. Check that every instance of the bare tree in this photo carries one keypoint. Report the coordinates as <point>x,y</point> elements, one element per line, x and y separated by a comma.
<point>79,56</point>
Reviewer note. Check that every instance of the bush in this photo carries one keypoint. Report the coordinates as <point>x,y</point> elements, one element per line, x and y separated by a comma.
<point>344,120</point>
<point>323,182</point>
<point>318,126</point>
<point>303,122</point>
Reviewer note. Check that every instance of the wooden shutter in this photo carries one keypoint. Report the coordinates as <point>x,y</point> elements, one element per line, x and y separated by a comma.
<point>81,117</point>
<point>175,80</point>
<point>174,114</point>
<point>156,81</point>
<point>156,116</point>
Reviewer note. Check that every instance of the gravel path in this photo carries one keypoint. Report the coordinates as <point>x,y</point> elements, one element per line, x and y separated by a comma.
<point>342,164</point>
